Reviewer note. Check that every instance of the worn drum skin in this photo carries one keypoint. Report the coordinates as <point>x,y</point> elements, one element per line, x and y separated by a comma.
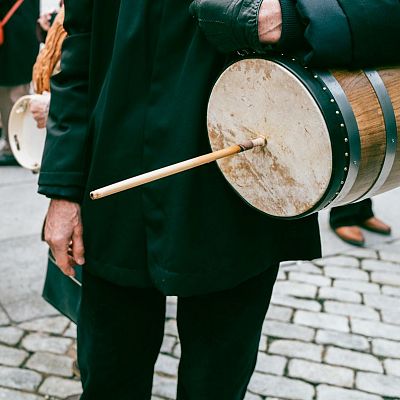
<point>26,139</point>
<point>331,135</point>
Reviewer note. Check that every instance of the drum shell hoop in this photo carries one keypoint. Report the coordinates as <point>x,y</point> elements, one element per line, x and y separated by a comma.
<point>390,128</point>
<point>351,130</point>
<point>336,127</point>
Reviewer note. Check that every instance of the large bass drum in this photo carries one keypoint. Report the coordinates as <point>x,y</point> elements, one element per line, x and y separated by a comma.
<point>331,135</point>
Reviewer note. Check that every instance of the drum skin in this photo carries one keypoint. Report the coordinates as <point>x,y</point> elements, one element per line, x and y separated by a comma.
<point>331,135</point>
<point>26,139</point>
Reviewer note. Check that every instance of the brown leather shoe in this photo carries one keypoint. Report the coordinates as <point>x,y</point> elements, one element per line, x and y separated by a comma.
<point>351,235</point>
<point>376,225</point>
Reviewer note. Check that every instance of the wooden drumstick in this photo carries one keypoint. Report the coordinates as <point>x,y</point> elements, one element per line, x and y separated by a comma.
<point>176,168</point>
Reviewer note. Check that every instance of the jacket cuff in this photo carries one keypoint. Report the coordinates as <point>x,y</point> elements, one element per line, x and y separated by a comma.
<point>71,193</point>
<point>292,26</point>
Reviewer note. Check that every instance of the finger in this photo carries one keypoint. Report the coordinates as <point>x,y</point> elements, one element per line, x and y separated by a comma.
<point>78,249</point>
<point>59,248</point>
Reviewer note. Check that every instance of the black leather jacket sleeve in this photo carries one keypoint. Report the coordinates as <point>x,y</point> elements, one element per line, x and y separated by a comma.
<point>351,32</point>
<point>324,33</point>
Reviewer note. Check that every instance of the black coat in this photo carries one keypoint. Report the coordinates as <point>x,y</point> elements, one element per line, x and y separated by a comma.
<point>20,48</point>
<point>132,97</point>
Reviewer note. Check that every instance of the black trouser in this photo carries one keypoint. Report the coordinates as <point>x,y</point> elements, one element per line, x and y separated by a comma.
<point>351,214</point>
<point>121,329</point>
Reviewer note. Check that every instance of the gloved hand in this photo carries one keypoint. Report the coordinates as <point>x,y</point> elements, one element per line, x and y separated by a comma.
<point>229,24</point>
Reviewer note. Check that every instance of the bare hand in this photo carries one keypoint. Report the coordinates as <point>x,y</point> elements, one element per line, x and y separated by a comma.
<point>40,110</point>
<point>63,233</point>
<point>44,21</point>
<point>270,22</point>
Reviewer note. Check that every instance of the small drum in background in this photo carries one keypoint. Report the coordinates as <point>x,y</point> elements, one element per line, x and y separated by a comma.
<point>26,139</point>
<point>331,135</point>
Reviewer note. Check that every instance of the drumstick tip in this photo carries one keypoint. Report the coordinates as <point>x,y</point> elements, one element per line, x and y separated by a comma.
<point>261,141</point>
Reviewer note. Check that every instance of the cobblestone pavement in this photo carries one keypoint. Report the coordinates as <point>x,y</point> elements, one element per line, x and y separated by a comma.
<point>332,332</point>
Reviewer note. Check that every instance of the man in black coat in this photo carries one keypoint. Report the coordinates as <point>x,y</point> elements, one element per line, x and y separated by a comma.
<point>17,56</point>
<point>131,97</point>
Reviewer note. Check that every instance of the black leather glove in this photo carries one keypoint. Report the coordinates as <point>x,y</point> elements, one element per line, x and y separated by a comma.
<point>229,24</point>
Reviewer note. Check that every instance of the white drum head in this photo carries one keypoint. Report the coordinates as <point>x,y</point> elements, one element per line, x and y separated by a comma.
<point>257,97</point>
<point>26,139</point>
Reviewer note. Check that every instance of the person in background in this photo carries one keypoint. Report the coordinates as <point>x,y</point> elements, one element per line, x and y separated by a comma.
<point>347,220</point>
<point>46,65</point>
<point>17,55</point>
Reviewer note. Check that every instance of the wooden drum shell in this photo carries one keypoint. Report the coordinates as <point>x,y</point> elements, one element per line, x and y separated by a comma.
<point>356,142</point>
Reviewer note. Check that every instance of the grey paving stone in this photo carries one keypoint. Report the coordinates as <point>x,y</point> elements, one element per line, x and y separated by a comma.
<point>386,348</point>
<point>7,394</point>
<point>357,286</point>
<point>292,389</point>
<point>250,396</point>
<point>4,320</point>
<point>296,349</point>
<point>177,350</point>
<point>322,320</point>
<point>172,299</point>
<point>51,364</point>
<point>167,365</point>
<point>170,311</point>
<point>386,278</point>
<point>164,387</point>
<point>392,367</point>
<point>383,385</point>
<point>23,210</point>
<point>171,328</point>
<point>28,308</point>
<point>302,304</point>
<point>287,331</point>
<point>389,256</point>
<point>333,293</point>
<point>346,273</point>
<point>71,331</point>
<point>390,246</point>
<point>346,340</point>
<point>353,359</point>
<point>17,378</point>
<point>303,267</point>
<point>60,387</point>
<point>391,290</point>
<point>274,365</point>
<point>41,342</point>
<point>380,266</point>
<point>351,310</point>
<point>277,313</point>
<point>282,276</point>
<point>363,253</point>
<point>325,392</point>
<point>375,329</point>
<point>312,279</point>
<point>344,261</point>
<point>295,289</point>
<point>22,267</point>
<point>55,325</point>
<point>10,335</point>
<point>380,301</point>
<point>263,344</point>
<point>12,357</point>
<point>391,316</point>
<point>168,344</point>
<point>321,373</point>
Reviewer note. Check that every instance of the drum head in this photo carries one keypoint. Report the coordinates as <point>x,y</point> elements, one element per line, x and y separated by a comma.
<point>26,139</point>
<point>257,97</point>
